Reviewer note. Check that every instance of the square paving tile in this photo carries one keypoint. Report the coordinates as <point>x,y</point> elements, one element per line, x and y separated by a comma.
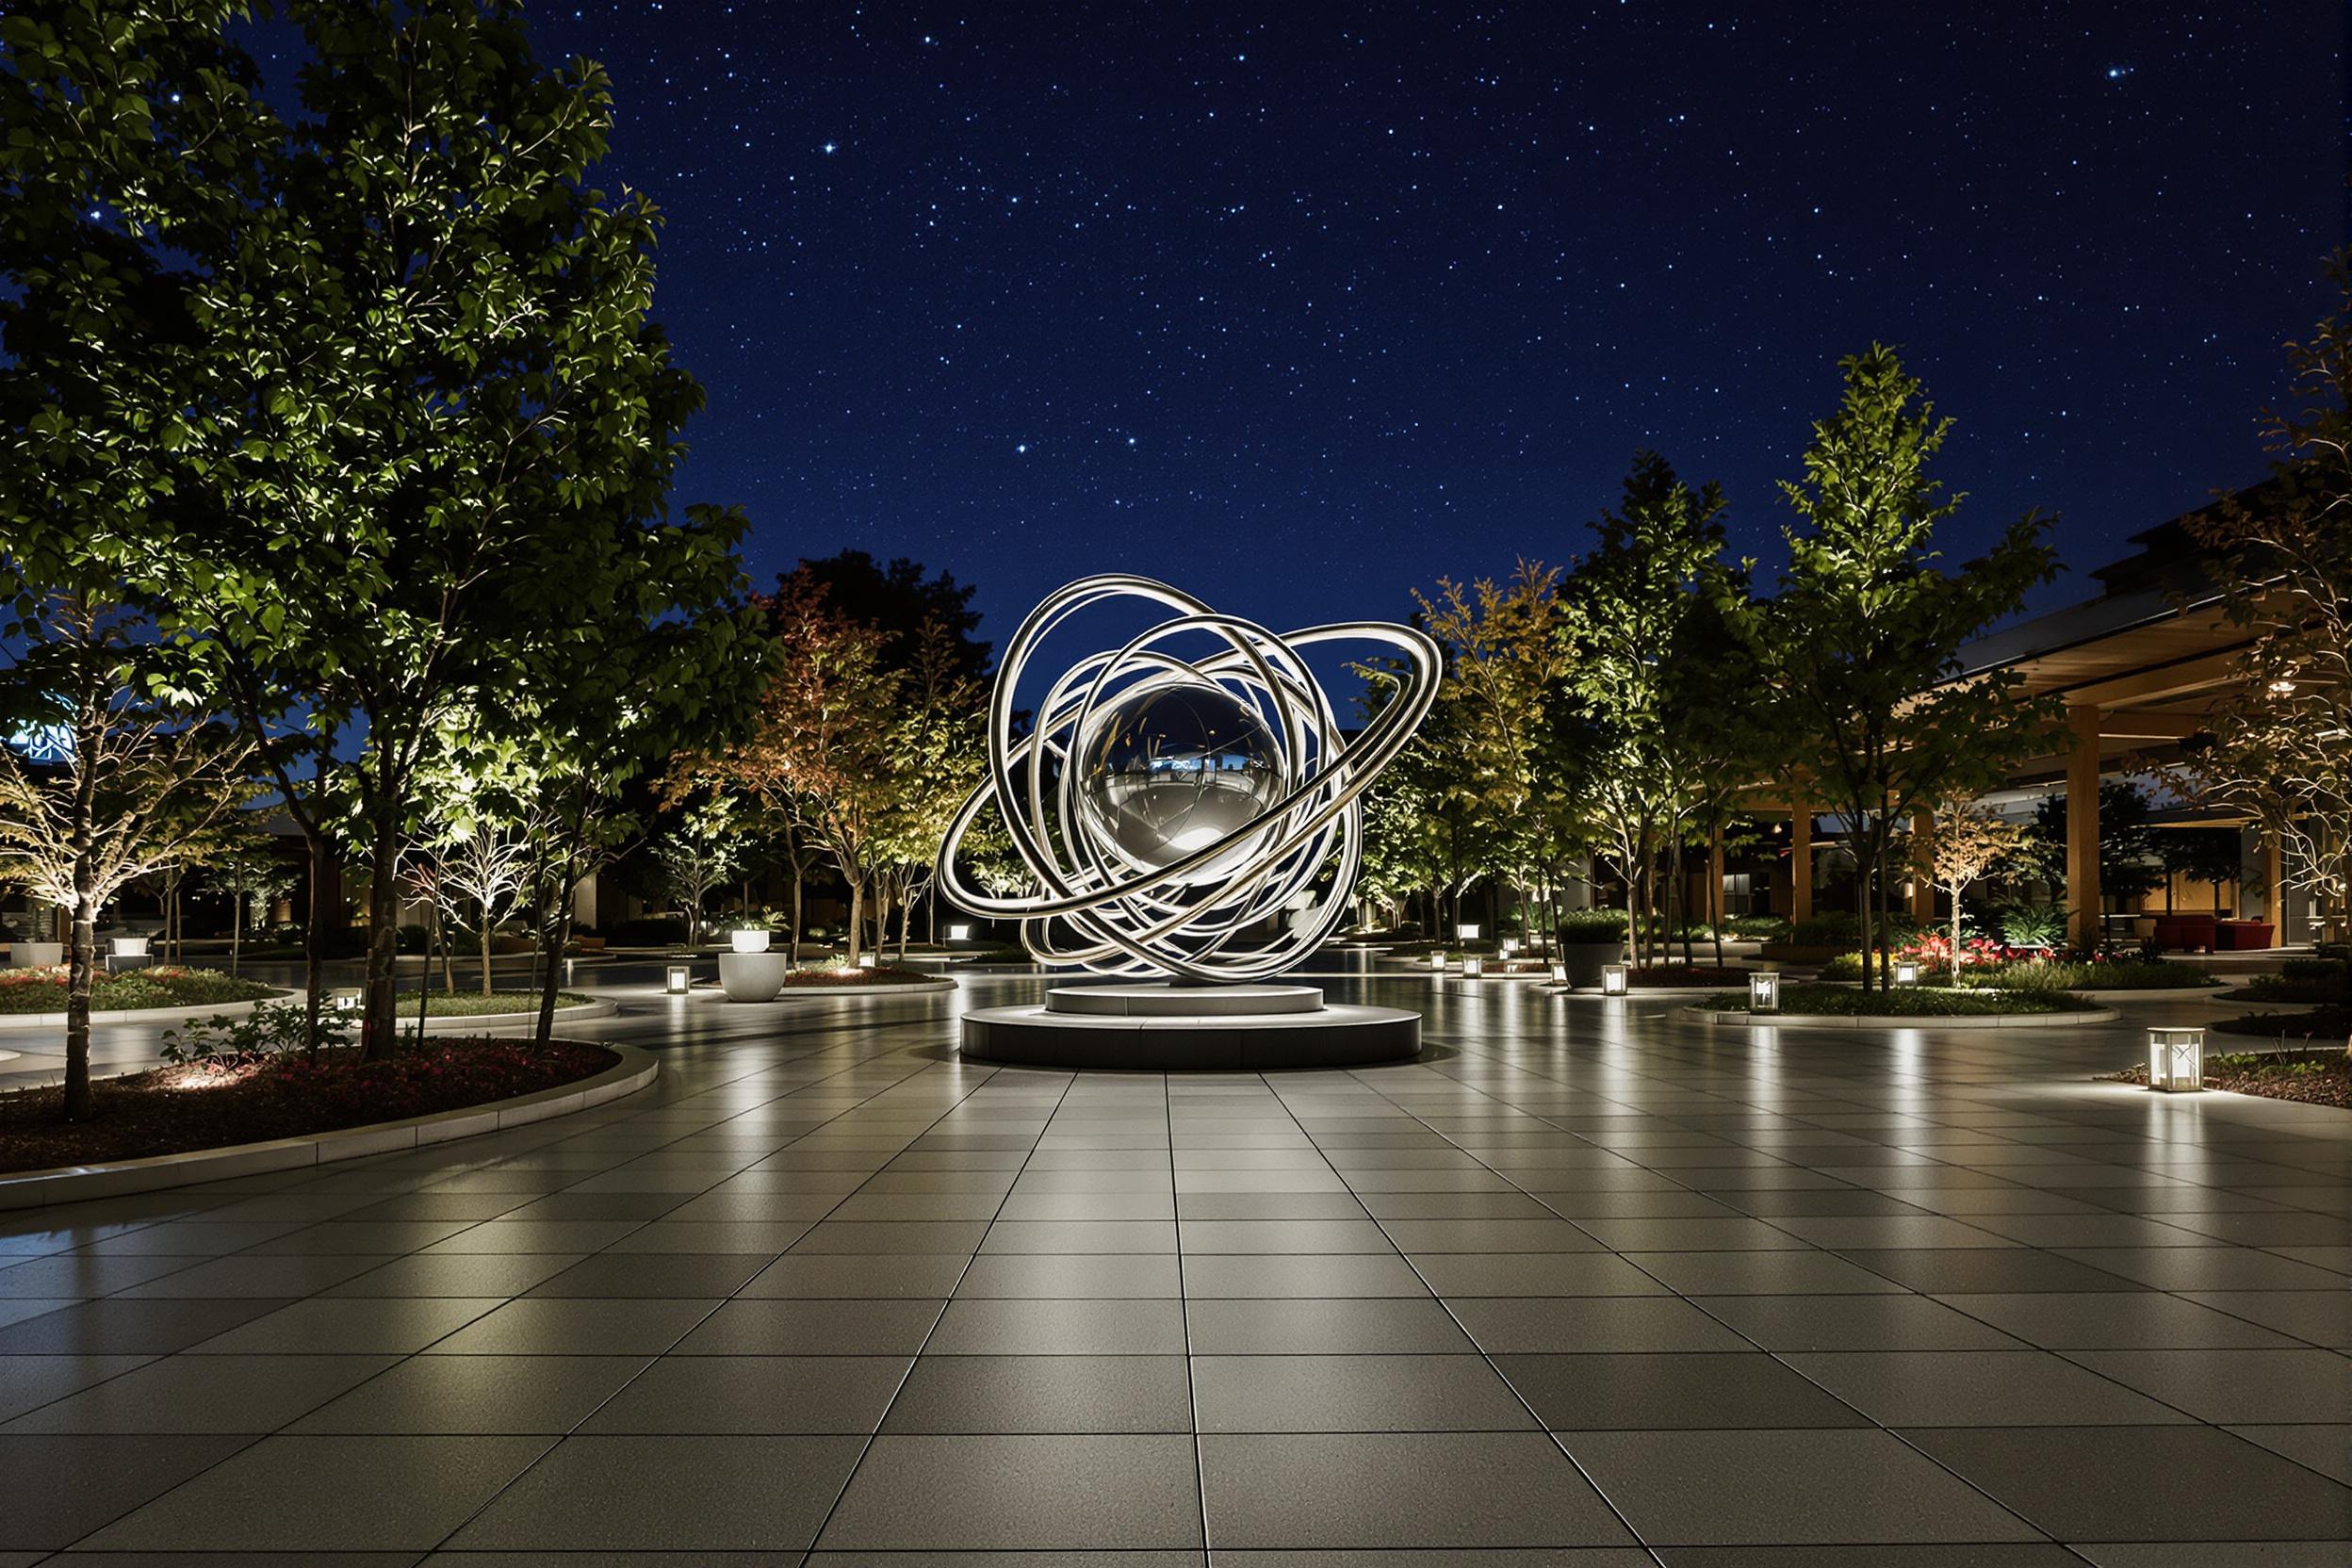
<point>576,1327</point>
<point>329,1494</point>
<point>1073,1328</point>
<point>1346,1326</point>
<point>692,1494</point>
<point>2224,1386</point>
<point>1977,1388</point>
<point>1856,1323</point>
<point>1436,1492</point>
<point>1667,1391</point>
<point>2106,1319</point>
<point>1353,1393</point>
<point>947,1394</point>
<point>1781,1488</point>
<point>1504,1324</point>
<point>480,1393</point>
<point>60,1489</point>
<point>1020,1494</point>
<point>206,1394</point>
<point>778,1396</point>
<point>2091,1483</point>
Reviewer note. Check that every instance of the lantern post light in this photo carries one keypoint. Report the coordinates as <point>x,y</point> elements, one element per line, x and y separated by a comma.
<point>1764,992</point>
<point>868,960</point>
<point>1614,980</point>
<point>1511,945</point>
<point>1472,966</point>
<point>680,976</point>
<point>1559,973</point>
<point>1906,973</point>
<point>1437,963</point>
<point>2176,1060</point>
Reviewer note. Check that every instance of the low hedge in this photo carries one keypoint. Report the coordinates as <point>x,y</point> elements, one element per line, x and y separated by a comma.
<point>1910,1002</point>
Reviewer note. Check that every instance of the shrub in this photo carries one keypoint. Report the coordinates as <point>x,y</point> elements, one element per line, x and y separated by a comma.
<point>1910,1002</point>
<point>1765,927</point>
<point>2034,924</point>
<point>2322,970</point>
<point>42,991</point>
<point>1592,925</point>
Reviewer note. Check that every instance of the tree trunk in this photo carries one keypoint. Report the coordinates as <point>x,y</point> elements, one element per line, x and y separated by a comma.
<point>485,948</point>
<point>1955,937</point>
<point>556,943</point>
<point>1862,875</point>
<point>797,907</point>
<point>236,929</point>
<point>314,939</point>
<point>379,1028</point>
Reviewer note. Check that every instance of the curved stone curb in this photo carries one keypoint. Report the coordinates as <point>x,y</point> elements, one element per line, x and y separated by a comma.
<point>143,1015</point>
<point>1969,1020</point>
<point>804,993</point>
<point>32,1190</point>
<point>2156,993</point>
<point>443,1024</point>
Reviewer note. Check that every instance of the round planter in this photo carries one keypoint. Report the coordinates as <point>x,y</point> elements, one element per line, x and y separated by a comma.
<point>753,976</point>
<point>750,942</point>
<point>36,955</point>
<point>1585,960</point>
<point>127,947</point>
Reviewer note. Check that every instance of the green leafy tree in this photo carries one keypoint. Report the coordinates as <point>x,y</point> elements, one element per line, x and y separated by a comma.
<point>1862,643</point>
<point>2129,859</point>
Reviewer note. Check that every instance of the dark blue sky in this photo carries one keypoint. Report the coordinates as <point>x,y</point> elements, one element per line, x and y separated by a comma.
<point>1300,305</point>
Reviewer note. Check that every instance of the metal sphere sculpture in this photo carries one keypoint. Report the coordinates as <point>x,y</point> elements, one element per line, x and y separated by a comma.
<point>1197,817</point>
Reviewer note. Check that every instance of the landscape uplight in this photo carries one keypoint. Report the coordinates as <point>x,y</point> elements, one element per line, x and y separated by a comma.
<point>867,960</point>
<point>2176,1060</point>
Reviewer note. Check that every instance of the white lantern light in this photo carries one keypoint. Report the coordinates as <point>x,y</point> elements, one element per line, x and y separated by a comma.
<point>1511,945</point>
<point>2176,1060</point>
<point>959,933</point>
<point>866,960</point>
<point>1472,966</point>
<point>680,976</point>
<point>1906,973</point>
<point>1468,932</point>
<point>1763,992</point>
<point>1559,974</point>
<point>1614,980</point>
<point>1437,962</point>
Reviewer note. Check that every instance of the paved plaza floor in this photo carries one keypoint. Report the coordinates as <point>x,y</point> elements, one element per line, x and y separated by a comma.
<point>1587,1286</point>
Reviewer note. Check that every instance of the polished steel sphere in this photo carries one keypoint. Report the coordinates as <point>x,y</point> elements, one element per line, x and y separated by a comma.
<point>1168,771</point>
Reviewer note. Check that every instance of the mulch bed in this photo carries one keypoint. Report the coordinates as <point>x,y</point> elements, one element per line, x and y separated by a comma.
<point>211,1104</point>
<point>1684,975</point>
<point>2322,1077</point>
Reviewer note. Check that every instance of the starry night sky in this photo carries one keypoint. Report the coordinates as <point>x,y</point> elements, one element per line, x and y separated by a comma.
<point>1301,306</point>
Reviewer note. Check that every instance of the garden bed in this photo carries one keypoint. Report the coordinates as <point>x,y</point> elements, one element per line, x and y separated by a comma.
<point>2333,1022</point>
<point>42,991</point>
<point>827,976</point>
<point>1832,1001</point>
<point>220,1102</point>
<point>2316,1077</point>
<point>1668,977</point>
<point>475,1005</point>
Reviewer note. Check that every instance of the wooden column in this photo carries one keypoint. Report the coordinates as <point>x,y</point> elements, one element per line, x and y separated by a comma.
<point>2083,924</point>
<point>1800,864</point>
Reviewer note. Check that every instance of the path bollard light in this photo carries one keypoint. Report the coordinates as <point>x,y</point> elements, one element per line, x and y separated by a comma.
<point>1472,966</point>
<point>681,977</point>
<point>1511,945</point>
<point>1907,974</point>
<point>1467,932</point>
<point>568,969</point>
<point>867,960</point>
<point>1764,992</point>
<point>1616,982</point>
<point>959,933</point>
<point>1559,973</point>
<point>2176,1060</point>
<point>1437,963</point>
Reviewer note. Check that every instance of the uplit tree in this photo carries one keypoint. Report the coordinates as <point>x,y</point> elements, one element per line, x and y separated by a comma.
<point>696,856</point>
<point>2278,745</point>
<point>1962,847</point>
<point>1862,644</point>
<point>135,781</point>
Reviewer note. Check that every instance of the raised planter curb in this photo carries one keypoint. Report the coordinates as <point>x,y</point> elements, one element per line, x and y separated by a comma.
<point>143,1015</point>
<point>33,1189</point>
<point>439,1023</point>
<point>1886,1020</point>
<point>2135,993</point>
<point>801,993</point>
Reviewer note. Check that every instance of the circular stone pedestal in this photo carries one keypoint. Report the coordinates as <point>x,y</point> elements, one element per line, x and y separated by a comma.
<point>1162,1027</point>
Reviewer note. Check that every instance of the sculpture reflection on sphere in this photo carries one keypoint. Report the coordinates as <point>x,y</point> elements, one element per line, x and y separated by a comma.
<point>1185,804</point>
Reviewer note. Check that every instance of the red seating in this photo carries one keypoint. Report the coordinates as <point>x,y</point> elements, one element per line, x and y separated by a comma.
<point>2194,932</point>
<point>2242,935</point>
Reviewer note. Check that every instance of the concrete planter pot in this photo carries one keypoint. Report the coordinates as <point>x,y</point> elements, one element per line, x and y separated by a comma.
<point>753,976</point>
<point>36,955</point>
<point>1585,961</point>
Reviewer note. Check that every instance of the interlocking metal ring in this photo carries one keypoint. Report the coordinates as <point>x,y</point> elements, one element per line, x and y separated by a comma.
<point>1191,817</point>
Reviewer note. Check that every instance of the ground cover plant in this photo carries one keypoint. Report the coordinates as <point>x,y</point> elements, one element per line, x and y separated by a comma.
<point>820,976</point>
<point>42,991</point>
<point>2317,1075</point>
<point>1908,1002</point>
